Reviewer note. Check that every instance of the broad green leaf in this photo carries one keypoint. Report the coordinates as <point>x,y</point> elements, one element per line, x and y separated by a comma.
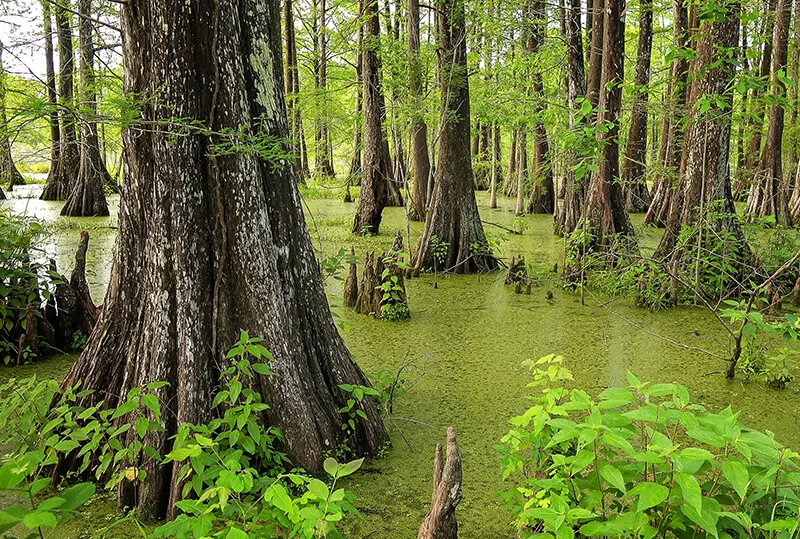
<point>331,466</point>
<point>350,468</point>
<point>651,494</point>
<point>318,489</point>
<point>36,519</point>
<point>614,477</point>
<point>236,533</point>
<point>736,474</point>
<point>707,518</point>
<point>691,491</point>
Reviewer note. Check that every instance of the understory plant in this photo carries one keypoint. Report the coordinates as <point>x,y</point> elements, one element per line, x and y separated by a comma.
<point>236,483</point>
<point>642,461</point>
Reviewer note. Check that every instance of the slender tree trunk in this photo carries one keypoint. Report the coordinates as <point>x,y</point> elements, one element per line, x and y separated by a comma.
<point>355,160</point>
<point>637,195</point>
<point>770,190</point>
<point>757,105</point>
<point>512,163</point>
<point>292,82</point>
<point>522,171</point>
<point>9,175</point>
<point>672,129</point>
<point>594,75</point>
<point>605,215</point>
<point>453,220</point>
<point>62,176</point>
<point>52,96</point>
<point>496,170</point>
<point>705,173</point>
<point>421,164</point>
<point>323,151</point>
<point>88,198</point>
<point>209,246</point>
<point>542,198</point>
<point>376,174</point>
<point>570,211</point>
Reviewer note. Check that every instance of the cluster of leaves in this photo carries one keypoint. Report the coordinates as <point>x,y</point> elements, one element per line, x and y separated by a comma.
<point>96,440</point>
<point>21,277</point>
<point>394,306</point>
<point>235,483</point>
<point>762,356</point>
<point>642,461</point>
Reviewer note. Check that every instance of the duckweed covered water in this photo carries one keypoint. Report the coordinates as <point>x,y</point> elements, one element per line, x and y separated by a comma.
<point>467,339</point>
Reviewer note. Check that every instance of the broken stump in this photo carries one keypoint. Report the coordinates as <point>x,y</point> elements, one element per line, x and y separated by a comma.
<point>440,522</point>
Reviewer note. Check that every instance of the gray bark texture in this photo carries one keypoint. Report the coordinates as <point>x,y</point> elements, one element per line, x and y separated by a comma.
<point>209,246</point>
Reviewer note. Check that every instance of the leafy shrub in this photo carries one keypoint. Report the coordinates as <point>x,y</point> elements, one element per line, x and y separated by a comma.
<point>236,486</point>
<point>642,461</point>
<point>22,278</point>
<point>395,312</point>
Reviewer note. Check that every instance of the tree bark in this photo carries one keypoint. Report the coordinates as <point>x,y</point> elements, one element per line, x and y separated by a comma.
<point>209,246</point>
<point>323,151</point>
<point>757,105</point>
<point>453,216</point>
<point>770,191</point>
<point>605,216</point>
<point>9,175</point>
<point>377,171</point>
<point>88,198</point>
<point>672,130</point>
<point>64,172</point>
<point>355,161</point>
<point>542,199</point>
<point>575,188</point>
<point>292,83</point>
<point>421,163</point>
<point>52,96</point>
<point>637,195</point>
<point>705,173</point>
<point>440,522</point>
<point>522,171</point>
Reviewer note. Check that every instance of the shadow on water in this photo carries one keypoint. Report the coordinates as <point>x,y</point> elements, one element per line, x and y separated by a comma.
<point>470,335</point>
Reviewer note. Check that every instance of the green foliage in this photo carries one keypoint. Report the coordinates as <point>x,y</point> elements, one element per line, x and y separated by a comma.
<point>642,461</point>
<point>23,279</point>
<point>235,483</point>
<point>395,312</point>
<point>39,435</point>
<point>762,355</point>
<point>439,251</point>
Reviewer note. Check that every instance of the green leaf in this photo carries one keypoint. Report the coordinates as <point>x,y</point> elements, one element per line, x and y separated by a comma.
<point>707,518</point>
<point>613,476</point>
<point>350,467</point>
<point>331,466</point>
<point>77,495</point>
<point>236,533</point>
<point>318,489</point>
<point>281,499</point>
<point>40,518</point>
<point>651,494</point>
<point>691,490</point>
<point>736,474</point>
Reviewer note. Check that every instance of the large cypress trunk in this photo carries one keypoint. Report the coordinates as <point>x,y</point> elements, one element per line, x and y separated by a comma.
<point>209,246</point>
<point>421,163</point>
<point>705,171</point>
<point>63,172</point>
<point>665,182</point>
<point>377,169</point>
<point>88,198</point>
<point>770,194</point>
<point>637,195</point>
<point>575,188</point>
<point>605,215</point>
<point>453,217</point>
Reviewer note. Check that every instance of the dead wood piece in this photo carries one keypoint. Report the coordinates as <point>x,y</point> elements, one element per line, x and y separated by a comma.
<point>440,522</point>
<point>796,293</point>
<point>397,244</point>
<point>516,271</point>
<point>351,283</point>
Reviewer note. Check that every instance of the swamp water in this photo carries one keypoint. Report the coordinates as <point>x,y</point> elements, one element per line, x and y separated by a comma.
<point>468,338</point>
